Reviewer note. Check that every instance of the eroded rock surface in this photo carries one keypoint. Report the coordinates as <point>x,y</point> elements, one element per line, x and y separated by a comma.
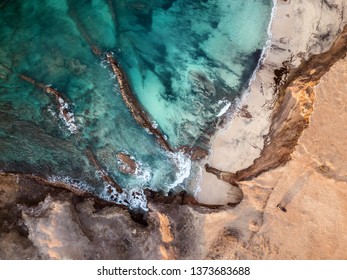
<point>127,164</point>
<point>312,188</point>
<point>295,211</point>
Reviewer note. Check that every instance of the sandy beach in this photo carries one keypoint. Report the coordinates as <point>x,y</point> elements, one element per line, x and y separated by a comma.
<point>295,210</point>
<point>298,30</point>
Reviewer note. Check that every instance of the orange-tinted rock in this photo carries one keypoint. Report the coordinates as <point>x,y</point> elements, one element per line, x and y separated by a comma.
<point>126,164</point>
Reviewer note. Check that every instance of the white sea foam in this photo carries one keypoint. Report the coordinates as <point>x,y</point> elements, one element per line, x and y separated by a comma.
<point>148,131</point>
<point>263,56</point>
<point>238,101</point>
<point>143,173</point>
<point>112,76</point>
<point>69,121</point>
<point>225,107</point>
<point>137,199</point>
<point>69,181</point>
<point>69,118</point>
<point>133,198</point>
<point>104,64</point>
<point>154,125</point>
<point>265,50</point>
<point>51,110</point>
<point>183,164</point>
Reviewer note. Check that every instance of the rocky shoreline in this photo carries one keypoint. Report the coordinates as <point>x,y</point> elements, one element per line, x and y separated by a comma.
<point>291,115</point>
<point>244,138</point>
<point>42,222</point>
<point>133,105</point>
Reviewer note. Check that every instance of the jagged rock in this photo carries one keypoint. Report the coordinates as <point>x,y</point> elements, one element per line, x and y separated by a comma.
<point>54,223</point>
<point>104,175</point>
<point>198,153</point>
<point>195,153</point>
<point>38,221</point>
<point>127,164</point>
<point>133,105</point>
<point>62,105</point>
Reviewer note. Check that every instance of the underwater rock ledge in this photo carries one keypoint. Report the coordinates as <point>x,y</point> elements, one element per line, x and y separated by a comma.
<point>129,99</point>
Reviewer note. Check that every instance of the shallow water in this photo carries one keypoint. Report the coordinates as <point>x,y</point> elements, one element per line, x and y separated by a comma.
<point>182,58</point>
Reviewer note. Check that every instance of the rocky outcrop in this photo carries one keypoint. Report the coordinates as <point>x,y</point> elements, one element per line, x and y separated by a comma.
<point>289,208</point>
<point>127,164</point>
<point>135,108</point>
<point>311,188</point>
<point>292,111</point>
<point>195,153</point>
<point>52,223</point>
<point>131,102</point>
<point>62,105</point>
<point>42,222</point>
<point>107,178</point>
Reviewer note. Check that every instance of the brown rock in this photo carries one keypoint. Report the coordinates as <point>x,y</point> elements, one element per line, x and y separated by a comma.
<point>199,153</point>
<point>133,105</point>
<point>127,164</point>
<point>195,153</point>
<point>245,113</point>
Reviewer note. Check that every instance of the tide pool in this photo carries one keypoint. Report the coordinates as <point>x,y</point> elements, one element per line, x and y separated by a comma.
<point>185,60</point>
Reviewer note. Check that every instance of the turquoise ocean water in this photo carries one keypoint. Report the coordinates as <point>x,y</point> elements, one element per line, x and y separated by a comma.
<point>186,60</point>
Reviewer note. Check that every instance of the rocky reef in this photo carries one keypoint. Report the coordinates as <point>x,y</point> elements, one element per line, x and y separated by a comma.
<point>45,222</point>
<point>291,189</point>
<point>135,108</point>
<point>304,197</point>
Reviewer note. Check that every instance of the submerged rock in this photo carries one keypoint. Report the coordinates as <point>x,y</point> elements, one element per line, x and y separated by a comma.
<point>126,164</point>
<point>201,83</point>
<point>76,66</point>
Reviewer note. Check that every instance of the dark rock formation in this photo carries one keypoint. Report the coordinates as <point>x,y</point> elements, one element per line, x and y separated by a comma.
<point>134,106</point>
<point>61,102</point>
<point>52,223</point>
<point>181,198</point>
<point>195,153</point>
<point>46,222</point>
<point>103,173</point>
